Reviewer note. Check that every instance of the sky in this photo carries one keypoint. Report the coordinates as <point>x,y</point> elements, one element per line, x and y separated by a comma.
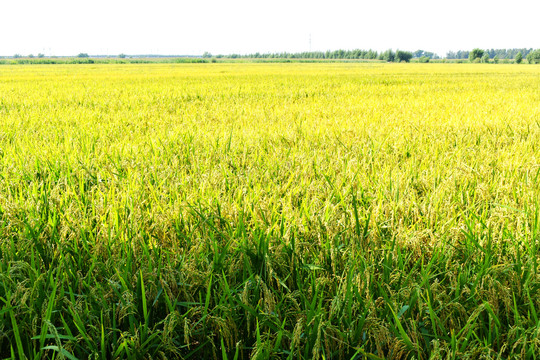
<point>111,27</point>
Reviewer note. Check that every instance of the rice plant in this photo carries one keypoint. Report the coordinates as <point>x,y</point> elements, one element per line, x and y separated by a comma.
<point>291,211</point>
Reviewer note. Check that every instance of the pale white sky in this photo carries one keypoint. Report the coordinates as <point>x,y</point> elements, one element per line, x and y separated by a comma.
<point>68,27</point>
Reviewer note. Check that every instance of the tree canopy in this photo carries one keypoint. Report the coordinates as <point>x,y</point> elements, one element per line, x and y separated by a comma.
<point>534,57</point>
<point>404,56</point>
<point>476,54</point>
<point>501,53</point>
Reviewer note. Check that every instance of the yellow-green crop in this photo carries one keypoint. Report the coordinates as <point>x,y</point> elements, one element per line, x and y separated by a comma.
<point>270,210</point>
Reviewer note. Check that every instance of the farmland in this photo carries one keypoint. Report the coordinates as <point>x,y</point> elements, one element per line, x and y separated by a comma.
<point>301,211</point>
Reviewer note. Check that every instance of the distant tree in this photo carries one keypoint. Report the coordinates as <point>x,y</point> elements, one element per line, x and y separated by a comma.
<point>404,56</point>
<point>476,54</point>
<point>122,56</point>
<point>82,55</point>
<point>423,59</point>
<point>372,54</point>
<point>519,58</point>
<point>40,55</point>
<point>534,57</point>
<point>17,56</point>
<point>485,58</point>
<point>463,54</point>
<point>501,53</point>
<point>207,55</point>
<point>496,59</point>
<point>388,55</point>
<point>31,56</point>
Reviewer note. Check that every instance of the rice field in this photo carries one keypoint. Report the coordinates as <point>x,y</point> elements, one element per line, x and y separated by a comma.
<point>288,211</point>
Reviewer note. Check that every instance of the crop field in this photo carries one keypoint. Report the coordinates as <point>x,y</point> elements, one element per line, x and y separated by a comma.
<point>288,211</point>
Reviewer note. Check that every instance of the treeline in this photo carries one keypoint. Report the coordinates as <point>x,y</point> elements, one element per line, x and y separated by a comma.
<point>357,54</point>
<point>78,60</point>
<point>483,56</point>
<point>52,61</point>
<point>475,55</point>
<point>492,53</point>
<point>336,54</point>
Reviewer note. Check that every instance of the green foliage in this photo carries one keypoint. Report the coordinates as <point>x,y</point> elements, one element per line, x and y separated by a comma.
<point>496,59</point>
<point>50,60</point>
<point>82,55</point>
<point>476,54</point>
<point>40,55</point>
<point>423,59</point>
<point>315,55</point>
<point>485,58</point>
<point>122,56</point>
<point>534,57</point>
<point>388,56</point>
<point>422,53</point>
<point>191,61</point>
<point>501,53</point>
<point>461,55</point>
<point>519,58</point>
<point>403,56</point>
